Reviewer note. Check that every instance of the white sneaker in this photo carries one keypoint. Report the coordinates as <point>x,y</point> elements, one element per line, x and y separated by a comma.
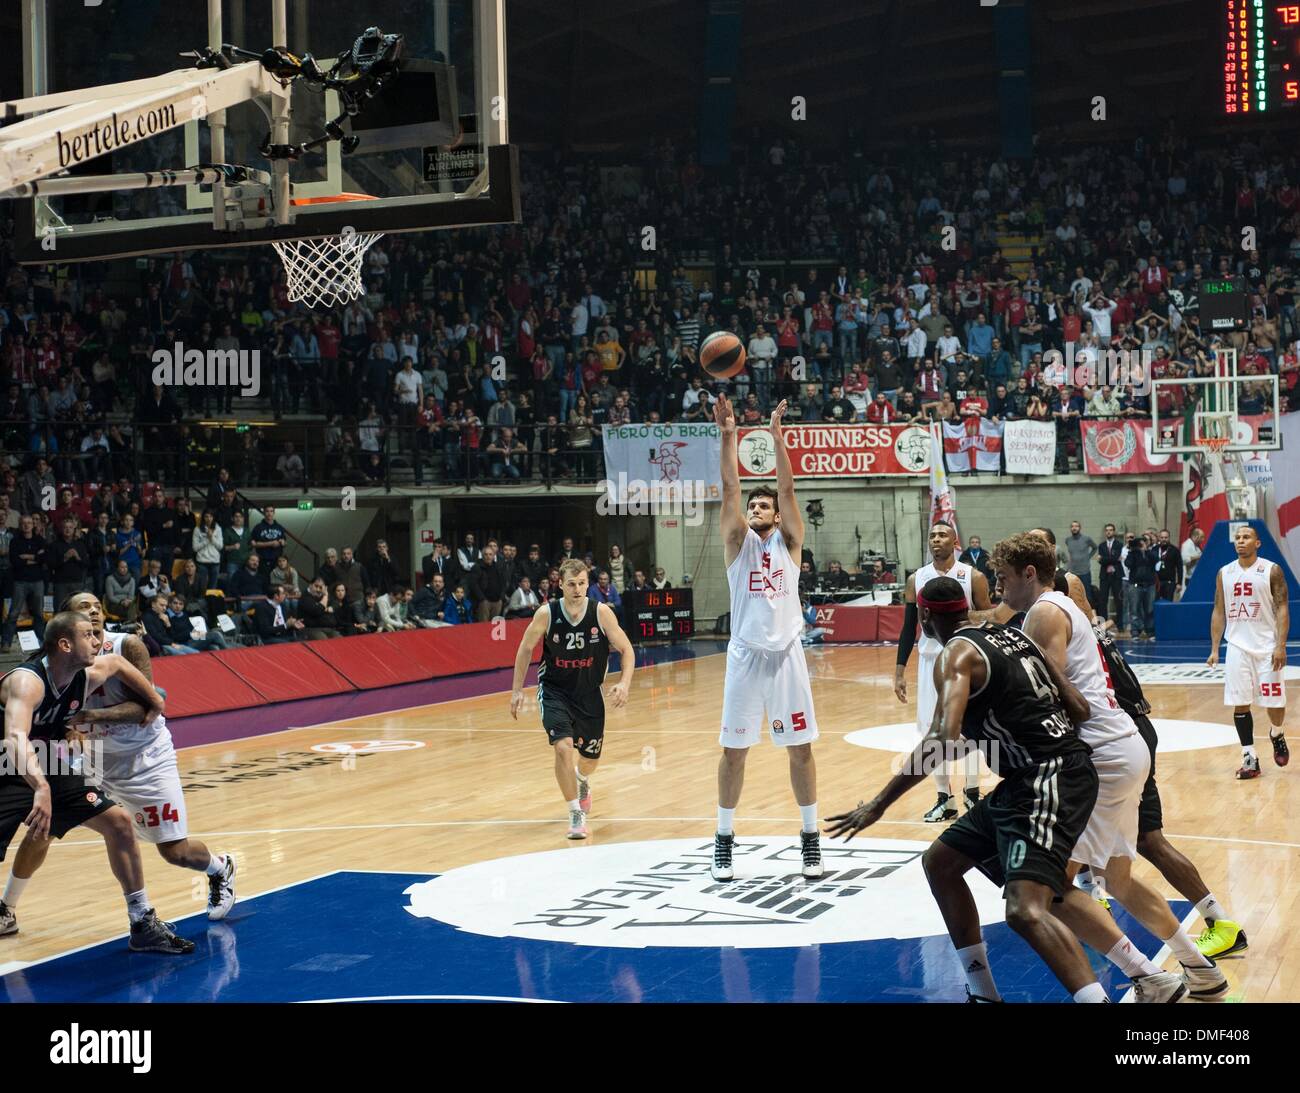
<point>721,868</point>
<point>1160,987</point>
<point>578,824</point>
<point>221,891</point>
<point>1205,983</point>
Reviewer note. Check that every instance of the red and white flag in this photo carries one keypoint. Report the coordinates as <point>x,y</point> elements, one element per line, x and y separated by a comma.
<point>1286,489</point>
<point>1205,495</point>
<point>974,441</point>
<point>943,500</point>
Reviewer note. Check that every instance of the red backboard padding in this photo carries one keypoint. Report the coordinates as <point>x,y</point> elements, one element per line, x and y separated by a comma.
<point>239,678</point>
<point>891,623</point>
<point>201,684</point>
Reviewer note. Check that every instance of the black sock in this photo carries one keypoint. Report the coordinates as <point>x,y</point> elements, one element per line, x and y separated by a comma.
<point>1245,723</point>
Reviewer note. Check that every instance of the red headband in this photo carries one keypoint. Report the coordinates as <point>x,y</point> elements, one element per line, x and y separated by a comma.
<point>941,607</point>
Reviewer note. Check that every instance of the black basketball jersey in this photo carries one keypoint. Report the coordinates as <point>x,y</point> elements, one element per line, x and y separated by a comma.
<point>1128,691</point>
<point>1016,716</point>
<point>573,656</point>
<point>50,718</point>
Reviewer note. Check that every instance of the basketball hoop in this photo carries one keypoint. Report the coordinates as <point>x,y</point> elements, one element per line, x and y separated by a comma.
<point>1214,445</point>
<point>326,271</point>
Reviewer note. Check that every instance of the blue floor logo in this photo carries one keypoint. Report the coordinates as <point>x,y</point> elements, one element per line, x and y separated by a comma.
<point>634,895</point>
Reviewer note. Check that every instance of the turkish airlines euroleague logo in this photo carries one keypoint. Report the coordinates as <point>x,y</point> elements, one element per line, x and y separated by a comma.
<point>765,582</point>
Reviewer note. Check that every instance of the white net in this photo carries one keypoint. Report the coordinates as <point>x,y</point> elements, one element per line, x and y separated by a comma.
<point>324,272</point>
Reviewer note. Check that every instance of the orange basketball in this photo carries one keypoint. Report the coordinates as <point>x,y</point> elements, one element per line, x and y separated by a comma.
<point>722,355</point>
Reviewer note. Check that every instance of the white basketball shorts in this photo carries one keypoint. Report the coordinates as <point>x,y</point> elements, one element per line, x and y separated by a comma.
<point>150,793</point>
<point>1249,680</point>
<point>927,697</point>
<point>764,687</point>
<point>1112,831</point>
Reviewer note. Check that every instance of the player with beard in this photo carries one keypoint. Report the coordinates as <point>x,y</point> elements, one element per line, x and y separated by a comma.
<point>40,698</point>
<point>767,676</point>
<point>996,690</point>
<point>975,586</point>
<point>1025,566</point>
<point>139,771</point>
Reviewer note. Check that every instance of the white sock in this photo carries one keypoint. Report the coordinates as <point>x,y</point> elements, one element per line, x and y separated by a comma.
<point>1093,992</point>
<point>1249,749</point>
<point>941,780</point>
<point>972,765</point>
<point>1126,958</point>
<point>137,905</point>
<point>13,890</point>
<point>979,976</point>
<point>1274,731</point>
<point>808,814</point>
<point>574,806</point>
<point>1209,909</point>
<point>726,816</point>
<point>1183,947</point>
<point>216,863</point>
<point>1083,879</point>
<point>581,777</point>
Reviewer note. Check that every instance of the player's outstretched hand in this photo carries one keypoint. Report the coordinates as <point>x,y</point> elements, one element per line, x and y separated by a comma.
<point>900,684</point>
<point>38,820</point>
<point>849,824</point>
<point>516,703</point>
<point>618,694</point>
<point>1213,658</point>
<point>723,414</point>
<point>777,415</point>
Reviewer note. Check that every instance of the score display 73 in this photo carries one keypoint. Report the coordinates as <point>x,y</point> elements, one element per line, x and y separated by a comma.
<point>1260,56</point>
<point>660,614</point>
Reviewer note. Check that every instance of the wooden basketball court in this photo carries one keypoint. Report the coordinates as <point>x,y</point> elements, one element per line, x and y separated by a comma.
<point>470,785</point>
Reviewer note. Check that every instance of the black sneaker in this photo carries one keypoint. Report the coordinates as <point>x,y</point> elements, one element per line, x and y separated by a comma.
<point>1281,753</point>
<point>151,935</point>
<point>721,868</point>
<point>970,798</point>
<point>8,920</point>
<point>942,811</point>
<point>979,997</point>
<point>221,891</point>
<point>811,846</point>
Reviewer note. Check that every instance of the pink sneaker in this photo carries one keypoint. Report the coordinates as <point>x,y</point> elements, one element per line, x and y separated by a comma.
<point>578,825</point>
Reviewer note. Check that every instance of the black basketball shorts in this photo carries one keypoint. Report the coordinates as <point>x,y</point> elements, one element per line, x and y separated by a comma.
<point>1150,816</point>
<point>73,801</point>
<point>579,717</point>
<point>1026,828</point>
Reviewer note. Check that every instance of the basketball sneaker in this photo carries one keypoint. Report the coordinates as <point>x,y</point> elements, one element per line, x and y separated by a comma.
<point>1158,987</point>
<point>721,867</point>
<point>1222,937</point>
<point>584,794</point>
<point>970,797</point>
<point>979,997</point>
<point>811,846</point>
<point>1249,767</point>
<point>578,824</point>
<point>8,920</point>
<point>221,891</point>
<point>1281,753</point>
<point>942,811</point>
<point>1205,983</point>
<point>152,935</point>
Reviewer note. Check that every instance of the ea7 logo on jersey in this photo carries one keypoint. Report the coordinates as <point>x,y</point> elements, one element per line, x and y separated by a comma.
<point>1243,612</point>
<point>764,585</point>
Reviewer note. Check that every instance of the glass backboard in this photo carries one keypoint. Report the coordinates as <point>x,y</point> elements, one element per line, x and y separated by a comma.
<point>432,148</point>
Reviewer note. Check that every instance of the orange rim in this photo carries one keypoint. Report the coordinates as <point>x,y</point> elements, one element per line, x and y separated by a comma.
<point>331,199</point>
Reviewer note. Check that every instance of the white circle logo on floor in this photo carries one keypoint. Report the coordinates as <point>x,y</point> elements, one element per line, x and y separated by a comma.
<point>1173,736</point>
<point>634,895</point>
<point>1149,673</point>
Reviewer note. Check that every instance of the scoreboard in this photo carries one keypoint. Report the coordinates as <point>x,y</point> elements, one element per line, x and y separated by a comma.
<point>660,614</point>
<point>1260,56</point>
<point>1224,304</point>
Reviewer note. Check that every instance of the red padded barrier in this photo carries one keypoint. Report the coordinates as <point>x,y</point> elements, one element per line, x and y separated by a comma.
<point>370,660</point>
<point>280,673</point>
<point>201,684</point>
<point>891,623</point>
<point>860,623</point>
<point>238,678</point>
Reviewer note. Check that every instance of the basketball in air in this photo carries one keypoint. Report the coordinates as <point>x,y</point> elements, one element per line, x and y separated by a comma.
<point>722,355</point>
